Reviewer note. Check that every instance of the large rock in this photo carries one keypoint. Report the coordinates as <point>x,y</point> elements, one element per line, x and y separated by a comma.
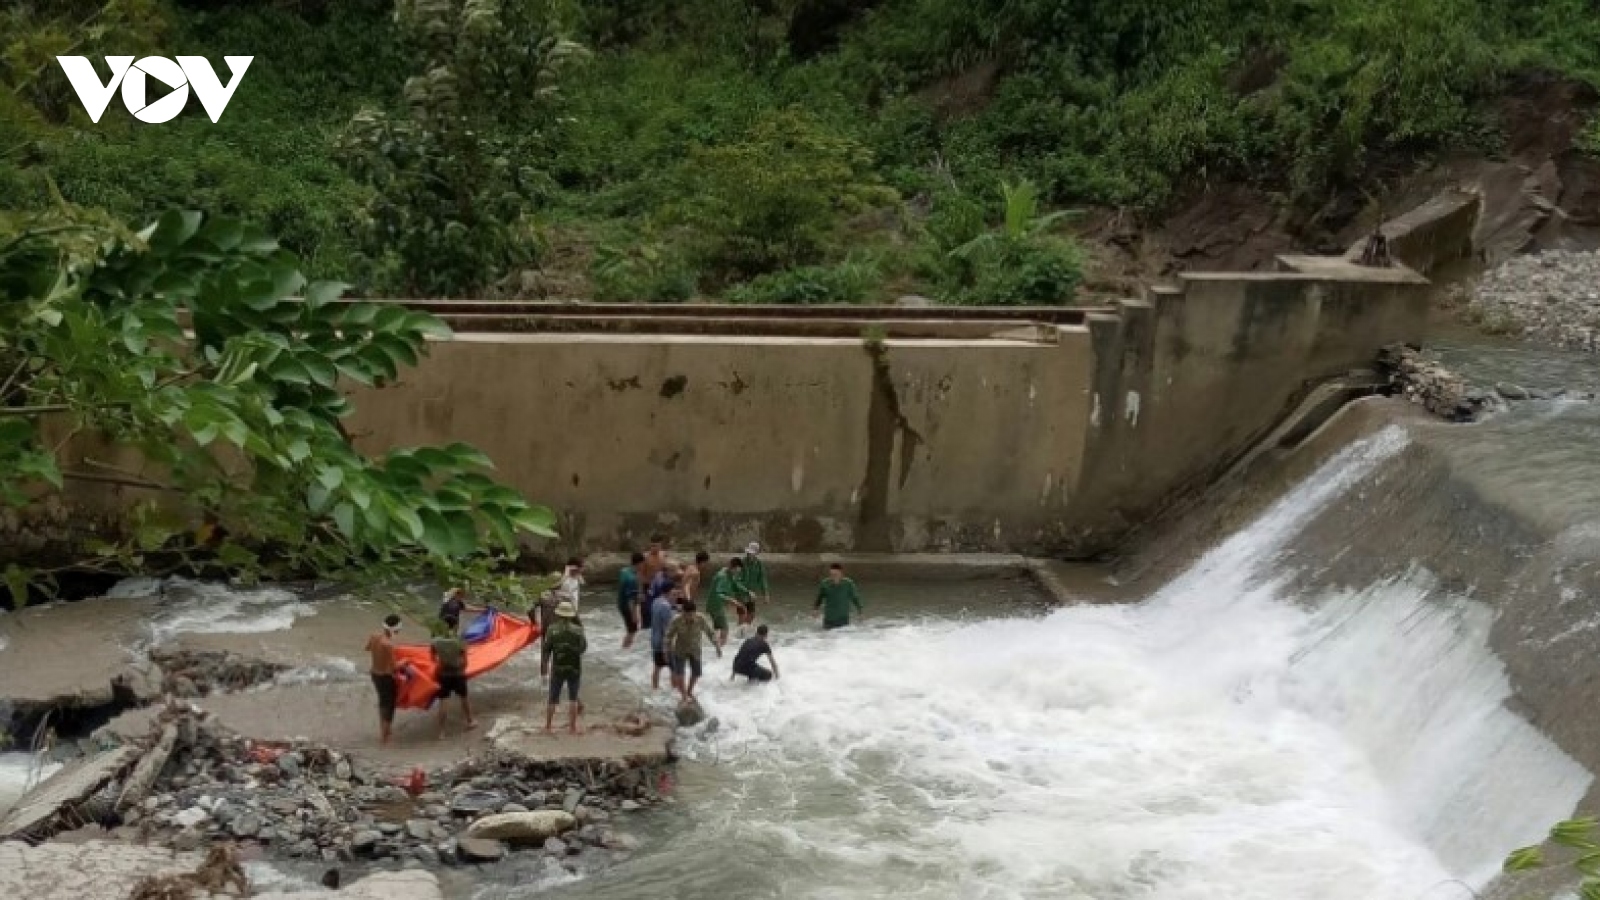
<point>411,884</point>
<point>523,828</point>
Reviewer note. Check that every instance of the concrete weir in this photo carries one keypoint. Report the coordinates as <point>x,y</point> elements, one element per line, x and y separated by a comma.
<point>1041,431</point>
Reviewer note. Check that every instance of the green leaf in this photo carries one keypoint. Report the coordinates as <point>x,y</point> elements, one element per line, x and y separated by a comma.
<point>320,368</point>
<point>430,327</point>
<point>436,535</point>
<point>1575,833</point>
<point>469,456</point>
<point>538,520</point>
<point>1524,859</point>
<point>17,580</point>
<point>331,477</point>
<point>321,293</point>
<point>344,516</point>
<point>173,229</point>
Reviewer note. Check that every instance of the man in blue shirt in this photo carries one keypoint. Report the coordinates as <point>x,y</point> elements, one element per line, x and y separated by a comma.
<point>661,613</point>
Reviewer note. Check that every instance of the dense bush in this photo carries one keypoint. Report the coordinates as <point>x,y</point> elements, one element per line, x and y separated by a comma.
<point>846,282</point>
<point>712,142</point>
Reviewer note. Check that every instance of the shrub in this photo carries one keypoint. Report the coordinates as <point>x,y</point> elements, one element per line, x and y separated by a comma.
<point>649,272</point>
<point>776,199</point>
<point>846,282</point>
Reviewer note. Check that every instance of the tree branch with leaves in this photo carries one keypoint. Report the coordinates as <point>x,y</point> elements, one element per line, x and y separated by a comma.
<point>197,344</point>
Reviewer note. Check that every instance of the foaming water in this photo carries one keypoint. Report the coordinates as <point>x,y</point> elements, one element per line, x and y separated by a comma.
<point>192,607</point>
<point>1224,740</point>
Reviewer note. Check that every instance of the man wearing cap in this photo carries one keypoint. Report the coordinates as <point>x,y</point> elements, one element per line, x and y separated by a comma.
<point>567,644</point>
<point>755,582</point>
<point>381,647</point>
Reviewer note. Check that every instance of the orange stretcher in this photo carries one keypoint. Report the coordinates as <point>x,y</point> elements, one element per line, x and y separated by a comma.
<point>418,673</point>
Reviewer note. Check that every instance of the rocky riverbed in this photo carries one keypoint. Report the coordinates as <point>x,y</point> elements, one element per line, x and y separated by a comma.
<point>1551,298</point>
<point>311,802</point>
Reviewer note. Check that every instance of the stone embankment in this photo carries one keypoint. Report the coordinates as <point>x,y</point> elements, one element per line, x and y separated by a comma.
<point>193,785</point>
<point>1424,380</point>
<point>1552,298</point>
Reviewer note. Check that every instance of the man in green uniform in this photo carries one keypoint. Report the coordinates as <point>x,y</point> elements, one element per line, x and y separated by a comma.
<point>835,596</point>
<point>755,581</point>
<point>567,644</point>
<point>726,586</point>
<point>628,598</point>
<point>450,653</point>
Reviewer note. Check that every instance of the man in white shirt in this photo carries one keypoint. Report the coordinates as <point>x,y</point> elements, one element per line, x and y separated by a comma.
<point>571,582</point>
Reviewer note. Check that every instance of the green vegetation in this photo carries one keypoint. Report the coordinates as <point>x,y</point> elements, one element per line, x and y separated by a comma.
<point>1578,843</point>
<point>785,150</point>
<point>189,345</point>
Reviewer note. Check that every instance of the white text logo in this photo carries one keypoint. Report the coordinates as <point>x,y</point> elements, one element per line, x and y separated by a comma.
<point>180,76</point>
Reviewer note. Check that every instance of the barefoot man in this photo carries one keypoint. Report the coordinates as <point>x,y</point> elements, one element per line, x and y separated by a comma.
<point>567,645</point>
<point>381,646</point>
<point>683,637</point>
<point>628,605</point>
<point>450,652</point>
<point>728,587</point>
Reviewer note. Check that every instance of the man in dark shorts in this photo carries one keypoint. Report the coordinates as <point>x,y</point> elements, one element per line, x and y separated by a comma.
<point>628,598</point>
<point>683,637</point>
<point>747,661</point>
<point>450,652</point>
<point>451,608</point>
<point>567,645</point>
<point>381,646</point>
<point>661,613</point>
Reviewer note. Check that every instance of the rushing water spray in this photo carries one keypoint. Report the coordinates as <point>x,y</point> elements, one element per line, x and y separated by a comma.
<point>1223,740</point>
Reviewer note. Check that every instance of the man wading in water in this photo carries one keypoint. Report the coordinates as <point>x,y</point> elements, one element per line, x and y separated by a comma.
<point>450,652</point>
<point>727,587</point>
<point>754,579</point>
<point>451,608</point>
<point>683,637</point>
<point>381,646</point>
<point>693,575</point>
<point>628,605</point>
<point>660,621</point>
<point>835,596</point>
<point>567,645</point>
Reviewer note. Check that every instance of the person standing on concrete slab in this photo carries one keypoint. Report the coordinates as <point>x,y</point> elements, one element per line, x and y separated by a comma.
<point>694,574</point>
<point>747,661</point>
<point>380,645</point>
<point>628,605</point>
<point>726,588</point>
<point>450,653</point>
<point>661,613</point>
<point>755,580</point>
<point>835,596</point>
<point>567,644</point>
<point>683,636</point>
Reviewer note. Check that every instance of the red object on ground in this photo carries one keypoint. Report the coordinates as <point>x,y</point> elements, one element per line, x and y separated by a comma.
<point>419,684</point>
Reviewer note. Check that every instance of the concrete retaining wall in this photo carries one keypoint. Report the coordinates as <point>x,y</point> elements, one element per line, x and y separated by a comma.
<point>1055,437</point>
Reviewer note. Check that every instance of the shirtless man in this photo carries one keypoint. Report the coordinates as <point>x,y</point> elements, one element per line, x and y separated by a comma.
<point>693,575</point>
<point>655,560</point>
<point>381,646</point>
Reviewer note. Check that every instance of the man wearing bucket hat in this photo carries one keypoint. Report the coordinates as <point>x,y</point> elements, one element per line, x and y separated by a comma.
<point>567,644</point>
<point>755,583</point>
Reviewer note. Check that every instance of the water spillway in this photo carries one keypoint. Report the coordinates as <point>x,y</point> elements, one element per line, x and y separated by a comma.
<point>1337,700</point>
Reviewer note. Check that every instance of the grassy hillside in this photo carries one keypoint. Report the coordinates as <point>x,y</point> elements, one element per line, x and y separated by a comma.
<point>787,150</point>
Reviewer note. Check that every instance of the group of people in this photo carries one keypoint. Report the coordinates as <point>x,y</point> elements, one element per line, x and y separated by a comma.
<point>654,591</point>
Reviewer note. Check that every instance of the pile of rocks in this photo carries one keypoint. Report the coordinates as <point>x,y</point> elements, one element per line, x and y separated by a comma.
<point>200,673</point>
<point>1551,297</point>
<point>315,803</point>
<point>1426,382</point>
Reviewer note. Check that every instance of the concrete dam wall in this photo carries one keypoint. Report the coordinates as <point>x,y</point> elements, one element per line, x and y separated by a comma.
<point>1038,431</point>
